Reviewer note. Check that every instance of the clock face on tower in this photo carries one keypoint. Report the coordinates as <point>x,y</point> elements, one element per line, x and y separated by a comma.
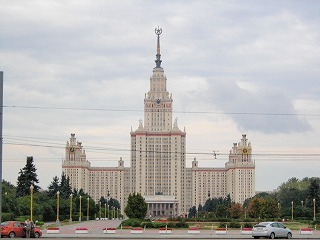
<point>158,101</point>
<point>245,151</point>
<point>72,149</point>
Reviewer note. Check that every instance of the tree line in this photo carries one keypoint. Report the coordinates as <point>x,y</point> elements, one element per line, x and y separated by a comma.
<point>297,199</point>
<point>16,200</point>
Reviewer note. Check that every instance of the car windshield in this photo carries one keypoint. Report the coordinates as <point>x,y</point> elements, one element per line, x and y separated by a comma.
<point>5,223</point>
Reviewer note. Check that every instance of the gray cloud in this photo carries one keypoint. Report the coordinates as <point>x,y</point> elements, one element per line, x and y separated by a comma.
<point>230,98</point>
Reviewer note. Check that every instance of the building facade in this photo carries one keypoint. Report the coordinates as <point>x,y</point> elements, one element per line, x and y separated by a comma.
<point>158,162</point>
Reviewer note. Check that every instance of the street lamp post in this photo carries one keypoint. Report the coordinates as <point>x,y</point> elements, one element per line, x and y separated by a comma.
<point>105,211</point>
<point>88,209</point>
<point>245,212</point>
<point>58,201</point>
<point>31,199</point>
<point>292,210</point>
<point>279,209</point>
<point>301,203</point>
<point>314,209</point>
<point>100,209</point>
<point>70,220</point>
<point>80,210</point>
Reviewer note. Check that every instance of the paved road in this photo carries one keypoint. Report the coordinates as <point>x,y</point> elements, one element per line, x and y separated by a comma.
<point>96,232</point>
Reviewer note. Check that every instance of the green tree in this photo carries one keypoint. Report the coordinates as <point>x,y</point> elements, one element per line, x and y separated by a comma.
<point>236,210</point>
<point>313,192</point>
<point>27,177</point>
<point>136,206</point>
<point>269,208</point>
<point>254,208</point>
<point>9,200</point>
<point>53,187</point>
<point>192,212</point>
<point>65,187</point>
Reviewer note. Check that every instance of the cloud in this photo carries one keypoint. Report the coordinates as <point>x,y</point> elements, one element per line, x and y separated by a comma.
<point>254,110</point>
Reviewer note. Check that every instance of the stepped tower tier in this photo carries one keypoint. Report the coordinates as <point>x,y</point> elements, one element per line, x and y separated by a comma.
<point>158,148</point>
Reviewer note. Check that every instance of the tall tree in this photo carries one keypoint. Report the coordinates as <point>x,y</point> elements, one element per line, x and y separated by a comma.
<point>192,212</point>
<point>255,206</point>
<point>236,210</point>
<point>53,187</point>
<point>313,192</point>
<point>65,187</point>
<point>27,177</point>
<point>136,206</point>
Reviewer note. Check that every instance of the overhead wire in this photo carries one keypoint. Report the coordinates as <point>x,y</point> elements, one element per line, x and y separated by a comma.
<point>183,112</point>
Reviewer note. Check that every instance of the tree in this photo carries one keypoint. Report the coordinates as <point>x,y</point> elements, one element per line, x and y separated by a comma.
<point>53,187</point>
<point>136,206</point>
<point>9,200</point>
<point>192,212</point>
<point>27,177</point>
<point>65,187</point>
<point>236,210</point>
<point>313,192</point>
<point>254,208</point>
<point>269,208</point>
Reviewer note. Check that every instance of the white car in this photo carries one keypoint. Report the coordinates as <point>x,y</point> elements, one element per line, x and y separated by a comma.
<point>271,230</point>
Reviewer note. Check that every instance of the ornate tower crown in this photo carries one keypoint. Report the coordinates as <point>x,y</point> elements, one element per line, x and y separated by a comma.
<point>158,61</point>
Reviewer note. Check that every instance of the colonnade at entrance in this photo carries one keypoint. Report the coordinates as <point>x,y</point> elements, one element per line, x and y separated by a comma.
<point>161,206</point>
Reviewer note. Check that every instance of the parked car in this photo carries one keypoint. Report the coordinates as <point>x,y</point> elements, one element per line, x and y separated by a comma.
<point>271,230</point>
<point>14,229</point>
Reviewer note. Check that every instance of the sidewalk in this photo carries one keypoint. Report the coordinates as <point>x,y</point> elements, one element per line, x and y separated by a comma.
<point>95,231</point>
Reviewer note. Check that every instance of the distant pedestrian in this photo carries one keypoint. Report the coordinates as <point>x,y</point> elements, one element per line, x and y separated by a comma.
<point>28,228</point>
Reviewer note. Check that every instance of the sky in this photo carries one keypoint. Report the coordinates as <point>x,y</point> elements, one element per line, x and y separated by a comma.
<point>233,68</point>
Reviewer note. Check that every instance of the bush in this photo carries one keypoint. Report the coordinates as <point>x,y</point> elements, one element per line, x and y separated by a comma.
<point>159,224</point>
<point>248,225</point>
<point>234,225</point>
<point>7,216</point>
<point>146,224</point>
<point>222,225</point>
<point>182,224</point>
<point>172,225</point>
<point>39,223</point>
<point>133,222</point>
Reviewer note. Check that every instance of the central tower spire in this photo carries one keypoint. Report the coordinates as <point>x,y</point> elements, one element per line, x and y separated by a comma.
<point>158,61</point>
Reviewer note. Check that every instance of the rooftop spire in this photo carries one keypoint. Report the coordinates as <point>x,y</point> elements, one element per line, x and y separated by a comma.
<point>158,61</point>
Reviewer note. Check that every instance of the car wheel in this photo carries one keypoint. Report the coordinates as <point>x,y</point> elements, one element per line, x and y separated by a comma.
<point>272,236</point>
<point>289,236</point>
<point>36,235</point>
<point>12,235</point>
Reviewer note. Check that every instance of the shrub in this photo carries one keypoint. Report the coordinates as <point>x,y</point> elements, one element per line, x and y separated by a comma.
<point>147,224</point>
<point>133,222</point>
<point>7,216</point>
<point>234,225</point>
<point>159,224</point>
<point>222,225</point>
<point>39,223</point>
<point>182,224</point>
<point>248,225</point>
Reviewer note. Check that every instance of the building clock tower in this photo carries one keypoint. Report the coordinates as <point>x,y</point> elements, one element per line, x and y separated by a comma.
<point>158,162</point>
<point>158,148</point>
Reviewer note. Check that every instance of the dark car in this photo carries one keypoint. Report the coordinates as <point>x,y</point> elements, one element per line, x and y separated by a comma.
<point>14,229</point>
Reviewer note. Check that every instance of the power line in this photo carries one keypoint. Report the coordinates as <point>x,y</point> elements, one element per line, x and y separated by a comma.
<point>279,156</point>
<point>182,112</point>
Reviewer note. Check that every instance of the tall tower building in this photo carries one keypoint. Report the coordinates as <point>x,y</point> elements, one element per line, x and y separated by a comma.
<point>240,171</point>
<point>158,162</point>
<point>158,146</point>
